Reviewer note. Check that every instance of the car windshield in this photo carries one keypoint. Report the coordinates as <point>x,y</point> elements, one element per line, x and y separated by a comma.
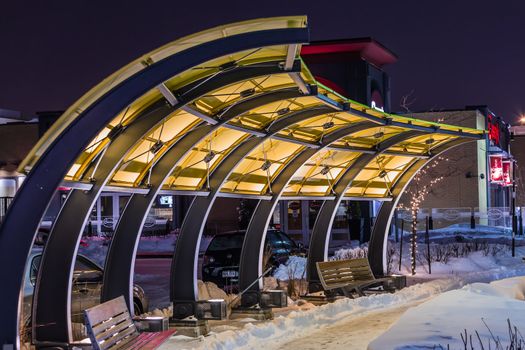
<point>82,265</point>
<point>279,241</point>
<point>226,242</point>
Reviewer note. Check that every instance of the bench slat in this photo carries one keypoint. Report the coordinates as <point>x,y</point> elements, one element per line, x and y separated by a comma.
<point>111,343</point>
<point>110,327</point>
<point>110,332</point>
<point>111,309</point>
<point>119,322</point>
<point>347,274</point>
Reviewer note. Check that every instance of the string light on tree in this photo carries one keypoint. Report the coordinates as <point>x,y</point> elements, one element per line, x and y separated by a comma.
<point>417,194</point>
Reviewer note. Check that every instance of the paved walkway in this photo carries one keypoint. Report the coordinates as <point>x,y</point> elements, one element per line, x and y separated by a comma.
<point>354,333</point>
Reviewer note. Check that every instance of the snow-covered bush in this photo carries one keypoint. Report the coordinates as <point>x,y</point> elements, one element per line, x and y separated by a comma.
<point>294,268</point>
<point>351,253</point>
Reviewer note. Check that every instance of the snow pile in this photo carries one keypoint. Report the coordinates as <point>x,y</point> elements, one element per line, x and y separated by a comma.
<point>351,253</point>
<point>295,265</point>
<point>511,287</point>
<point>301,323</point>
<point>293,268</point>
<point>438,323</point>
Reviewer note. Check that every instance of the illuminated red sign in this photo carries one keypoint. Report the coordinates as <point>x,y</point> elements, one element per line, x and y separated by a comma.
<point>493,130</point>
<point>507,172</point>
<point>496,169</point>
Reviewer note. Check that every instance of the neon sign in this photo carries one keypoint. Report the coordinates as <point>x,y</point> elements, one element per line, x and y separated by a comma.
<point>494,131</point>
<point>496,169</point>
<point>507,172</point>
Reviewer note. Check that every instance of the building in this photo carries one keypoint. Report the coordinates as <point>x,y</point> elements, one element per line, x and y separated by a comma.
<point>518,153</point>
<point>470,185</point>
<point>352,68</point>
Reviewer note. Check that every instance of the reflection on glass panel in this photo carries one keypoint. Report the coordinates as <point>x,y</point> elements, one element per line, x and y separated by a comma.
<point>341,216</point>
<point>122,201</point>
<point>294,215</point>
<point>313,210</point>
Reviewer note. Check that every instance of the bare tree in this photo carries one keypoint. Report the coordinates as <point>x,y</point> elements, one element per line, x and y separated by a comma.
<point>419,188</point>
<point>407,101</point>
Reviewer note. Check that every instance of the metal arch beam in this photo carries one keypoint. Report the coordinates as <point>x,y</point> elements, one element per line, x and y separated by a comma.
<point>120,259</point>
<point>378,239</point>
<point>319,240</point>
<point>52,296</point>
<point>250,265</point>
<point>18,230</point>
<point>184,264</point>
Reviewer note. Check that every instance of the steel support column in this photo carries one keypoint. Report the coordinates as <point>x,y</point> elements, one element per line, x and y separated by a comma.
<point>183,291</point>
<point>250,265</point>
<point>19,229</point>
<point>320,238</point>
<point>52,297</point>
<point>68,227</point>
<point>183,287</point>
<point>378,239</point>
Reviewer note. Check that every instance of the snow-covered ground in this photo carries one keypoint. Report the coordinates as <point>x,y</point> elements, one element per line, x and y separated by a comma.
<point>481,309</point>
<point>294,327</point>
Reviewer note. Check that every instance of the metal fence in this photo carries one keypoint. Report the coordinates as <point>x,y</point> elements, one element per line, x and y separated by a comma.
<point>466,217</point>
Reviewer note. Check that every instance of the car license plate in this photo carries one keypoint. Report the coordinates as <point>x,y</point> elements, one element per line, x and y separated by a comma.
<point>230,273</point>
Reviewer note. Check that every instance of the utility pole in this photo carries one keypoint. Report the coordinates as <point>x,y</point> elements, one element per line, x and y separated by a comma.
<point>513,208</point>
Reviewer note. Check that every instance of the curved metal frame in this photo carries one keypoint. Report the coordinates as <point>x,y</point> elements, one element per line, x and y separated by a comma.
<point>19,229</point>
<point>59,150</point>
<point>378,239</point>
<point>319,240</point>
<point>250,265</point>
<point>120,259</point>
<point>183,291</point>
<point>52,298</point>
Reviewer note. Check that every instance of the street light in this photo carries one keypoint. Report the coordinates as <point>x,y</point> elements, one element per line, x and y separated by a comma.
<point>522,119</point>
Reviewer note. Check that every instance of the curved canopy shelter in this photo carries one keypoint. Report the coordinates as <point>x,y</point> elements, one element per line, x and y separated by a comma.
<point>229,112</point>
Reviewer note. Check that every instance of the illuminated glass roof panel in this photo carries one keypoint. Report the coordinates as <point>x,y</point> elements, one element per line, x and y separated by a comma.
<point>258,111</point>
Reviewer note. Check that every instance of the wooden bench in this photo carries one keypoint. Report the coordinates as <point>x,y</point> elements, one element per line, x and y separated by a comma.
<point>349,276</point>
<point>110,326</point>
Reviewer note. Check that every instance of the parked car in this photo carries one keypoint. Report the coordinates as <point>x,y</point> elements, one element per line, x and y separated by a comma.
<point>87,286</point>
<point>220,263</point>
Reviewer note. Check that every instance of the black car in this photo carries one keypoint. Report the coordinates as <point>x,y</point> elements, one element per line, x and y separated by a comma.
<point>87,286</point>
<point>220,263</point>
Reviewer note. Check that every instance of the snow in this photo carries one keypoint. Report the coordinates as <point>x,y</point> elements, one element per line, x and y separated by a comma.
<point>438,323</point>
<point>300,327</point>
<point>300,324</point>
<point>294,267</point>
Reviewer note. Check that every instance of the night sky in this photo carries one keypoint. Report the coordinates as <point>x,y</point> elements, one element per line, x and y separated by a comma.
<point>451,53</point>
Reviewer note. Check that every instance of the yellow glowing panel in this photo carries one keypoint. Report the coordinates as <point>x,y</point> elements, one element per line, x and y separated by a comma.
<point>72,171</point>
<point>398,162</point>
<point>366,174</point>
<point>125,176</point>
<point>262,116</point>
<point>307,189</point>
<point>250,169</point>
<point>220,143</point>
<point>250,187</point>
<point>376,191</point>
<point>174,126</point>
<point>187,182</point>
